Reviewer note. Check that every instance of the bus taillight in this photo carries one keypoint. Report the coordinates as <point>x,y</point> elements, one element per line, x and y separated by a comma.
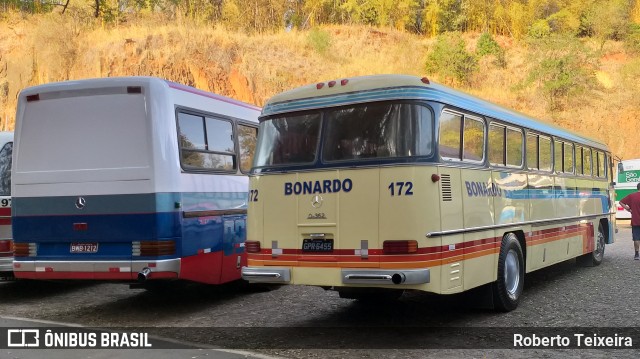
<point>252,246</point>
<point>6,248</point>
<point>399,247</point>
<point>155,248</point>
<point>24,250</point>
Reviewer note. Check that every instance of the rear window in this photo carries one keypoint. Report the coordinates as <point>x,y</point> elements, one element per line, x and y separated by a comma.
<point>377,130</point>
<point>357,132</point>
<point>291,139</point>
<point>107,130</point>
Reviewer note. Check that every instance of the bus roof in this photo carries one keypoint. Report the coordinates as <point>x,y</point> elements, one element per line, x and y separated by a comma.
<point>87,84</point>
<point>398,87</point>
<point>631,165</point>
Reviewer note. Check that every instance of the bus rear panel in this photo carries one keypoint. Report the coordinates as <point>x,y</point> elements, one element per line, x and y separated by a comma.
<point>99,192</point>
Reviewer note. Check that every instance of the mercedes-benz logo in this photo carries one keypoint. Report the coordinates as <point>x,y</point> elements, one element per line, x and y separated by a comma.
<point>316,201</point>
<point>80,203</point>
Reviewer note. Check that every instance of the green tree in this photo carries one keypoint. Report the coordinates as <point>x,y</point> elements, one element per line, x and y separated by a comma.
<point>562,69</point>
<point>605,20</point>
<point>632,40</point>
<point>450,59</point>
<point>487,46</point>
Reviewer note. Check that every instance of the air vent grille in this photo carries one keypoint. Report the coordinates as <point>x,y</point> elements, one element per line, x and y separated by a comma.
<point>445,182</point>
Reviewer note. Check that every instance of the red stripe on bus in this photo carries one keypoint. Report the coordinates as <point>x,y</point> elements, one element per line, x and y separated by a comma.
<point>445,254</point>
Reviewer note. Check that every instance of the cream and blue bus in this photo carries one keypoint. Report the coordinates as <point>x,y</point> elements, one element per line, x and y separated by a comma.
<point>133,178</point>
<point>375,185</point>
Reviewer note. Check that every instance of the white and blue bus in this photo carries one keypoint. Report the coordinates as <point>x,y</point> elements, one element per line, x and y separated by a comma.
<point>378,184</point>
<point>132,178</point>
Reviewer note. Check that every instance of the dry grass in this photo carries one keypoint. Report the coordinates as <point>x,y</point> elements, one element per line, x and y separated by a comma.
<point>41,49</point>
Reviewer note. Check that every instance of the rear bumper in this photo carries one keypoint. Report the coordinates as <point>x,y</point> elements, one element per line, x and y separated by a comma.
<point>106,270</point>
<point>282,275</point>
<point>6,264</point>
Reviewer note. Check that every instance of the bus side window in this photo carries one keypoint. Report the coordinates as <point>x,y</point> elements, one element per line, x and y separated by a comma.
<point>247,137</point>
<point>579,166</point>
<point>450,135</point>
<point>557,156</point>
<point>5,169</point>
<point>514,147</point>
<point>586,161</point>
<point>532,152</point>
<point>568,157</point>
<point>496,145</point>
<point>206,143</point>
<point>545,154</point>
<point>461,138</point>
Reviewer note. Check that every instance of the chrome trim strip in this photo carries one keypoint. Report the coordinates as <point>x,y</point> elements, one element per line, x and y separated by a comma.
<point>210,213</point>
<point>519,224</point>
<point>379,276</point>
<point>266,274</point>
<point>165,265</point>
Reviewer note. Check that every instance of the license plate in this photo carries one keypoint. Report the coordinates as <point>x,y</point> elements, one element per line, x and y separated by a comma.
<point>317,245</point>
<point>84,247</point>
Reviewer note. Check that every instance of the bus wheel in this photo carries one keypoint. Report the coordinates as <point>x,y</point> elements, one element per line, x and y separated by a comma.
<point>594,258</point>
<point>508,287</point>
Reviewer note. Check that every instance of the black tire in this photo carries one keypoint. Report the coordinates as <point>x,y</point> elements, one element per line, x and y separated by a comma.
<point>594,258</point>
<point>510,282</point>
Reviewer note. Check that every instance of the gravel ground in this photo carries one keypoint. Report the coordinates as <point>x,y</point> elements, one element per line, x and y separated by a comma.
<point>562,296</point>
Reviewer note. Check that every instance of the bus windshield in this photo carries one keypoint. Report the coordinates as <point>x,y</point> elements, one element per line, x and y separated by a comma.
<point>355,132</point>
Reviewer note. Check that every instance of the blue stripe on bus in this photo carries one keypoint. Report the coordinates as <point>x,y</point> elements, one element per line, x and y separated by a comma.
<point>96,204</point>
<point>600,194</point>
<point>115,234</point>
<point>128,203</point>
<point>100,228</point>
<point>115,221</point>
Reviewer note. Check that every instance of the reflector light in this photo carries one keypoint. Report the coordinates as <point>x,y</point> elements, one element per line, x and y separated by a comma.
<point>399,247</point>
<point>344,82</point>
<point>320,85</point>
<point>21,249</point>
<point>252,246</point>
<point>332,83</point>
<point>6,248</point>
<point>157,248</point>
<point>435,178</point>
<point>35,97</point>
<point>80,226</point>
<point>425,80</point>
